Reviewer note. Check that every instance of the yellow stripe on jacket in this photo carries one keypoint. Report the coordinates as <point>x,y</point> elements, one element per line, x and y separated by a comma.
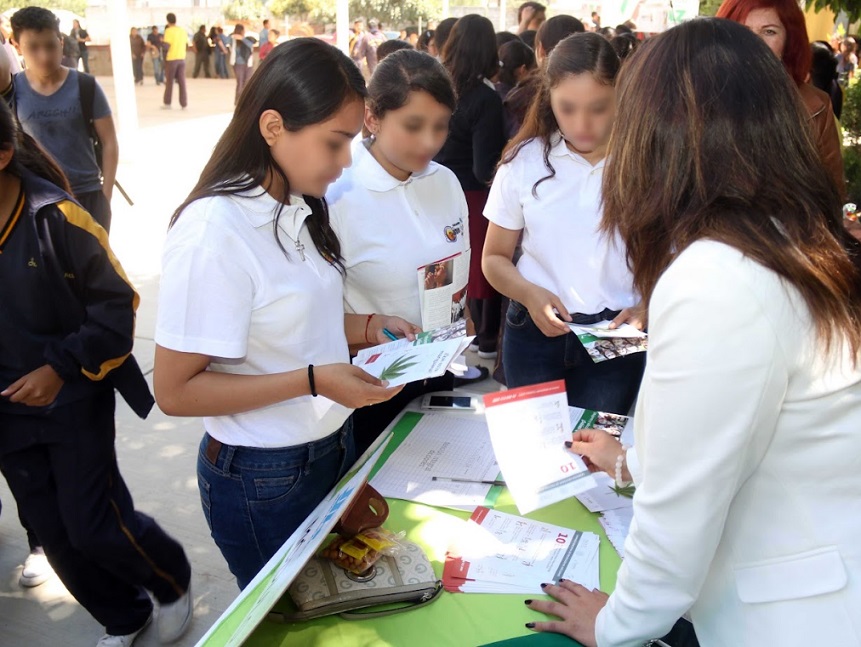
<point>79,217</point>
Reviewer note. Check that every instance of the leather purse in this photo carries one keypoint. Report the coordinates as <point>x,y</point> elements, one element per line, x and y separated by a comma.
<point>324,588</point>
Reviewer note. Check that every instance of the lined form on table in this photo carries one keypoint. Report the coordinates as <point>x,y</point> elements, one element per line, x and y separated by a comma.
<point>442,445</point>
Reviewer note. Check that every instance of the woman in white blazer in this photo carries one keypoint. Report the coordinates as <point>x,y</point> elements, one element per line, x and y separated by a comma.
<point>747,514</point>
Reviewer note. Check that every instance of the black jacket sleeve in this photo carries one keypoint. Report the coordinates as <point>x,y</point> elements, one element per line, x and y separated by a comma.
<point>101,298</point>
<point>488,135</point>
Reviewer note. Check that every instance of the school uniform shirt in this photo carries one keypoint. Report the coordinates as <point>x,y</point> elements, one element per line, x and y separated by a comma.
<point>388,228</point>
<point>563,250</point>
<point>229,291</point>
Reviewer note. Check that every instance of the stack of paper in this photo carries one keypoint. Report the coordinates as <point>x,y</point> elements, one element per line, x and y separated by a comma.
<point>430,355</point>
<point>451,448</point>
<point>528,427</point>
<point>503,553</point>
<point>603,343</point>
<point>616,524</point>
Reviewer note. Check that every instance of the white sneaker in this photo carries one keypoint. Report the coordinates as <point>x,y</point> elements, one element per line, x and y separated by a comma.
<point>483,354</point>
<point>474,347</point>
<point>122,641</point>
<point>175,618</point>
<point>36,570</point>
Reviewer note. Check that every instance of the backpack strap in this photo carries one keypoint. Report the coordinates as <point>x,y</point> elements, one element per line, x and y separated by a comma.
<point>11,101</point>
<point>87,91</point>
<point>87,94</point>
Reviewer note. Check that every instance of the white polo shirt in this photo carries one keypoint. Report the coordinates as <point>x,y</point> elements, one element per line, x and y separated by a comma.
<point>563,251</point>
<point>228,291</point>
<point>389,228</point>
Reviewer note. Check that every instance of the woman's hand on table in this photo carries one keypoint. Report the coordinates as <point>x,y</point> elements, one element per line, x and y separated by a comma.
<point>576,607</point>
<point>351,387</point>
<point>395,325</point>
<point>598,449</point>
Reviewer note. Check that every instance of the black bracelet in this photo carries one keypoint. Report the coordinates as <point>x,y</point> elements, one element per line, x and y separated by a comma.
<point>311,380</point>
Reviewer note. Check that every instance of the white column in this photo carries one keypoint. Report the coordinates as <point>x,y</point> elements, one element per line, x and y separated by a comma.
<point>126,116</point>
<point>342,25</point>
<point>503,9</point>
<point>446,9</point>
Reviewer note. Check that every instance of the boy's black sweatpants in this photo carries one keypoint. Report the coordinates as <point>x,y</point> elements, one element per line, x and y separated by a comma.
<point>62,469</point>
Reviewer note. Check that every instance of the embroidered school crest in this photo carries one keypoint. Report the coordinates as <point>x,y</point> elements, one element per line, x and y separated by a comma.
<point>453,231</point>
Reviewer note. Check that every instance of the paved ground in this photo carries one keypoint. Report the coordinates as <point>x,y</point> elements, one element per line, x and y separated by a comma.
<point>157,456</point>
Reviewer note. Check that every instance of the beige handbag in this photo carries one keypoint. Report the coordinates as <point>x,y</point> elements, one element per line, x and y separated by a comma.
<point>324,588</point>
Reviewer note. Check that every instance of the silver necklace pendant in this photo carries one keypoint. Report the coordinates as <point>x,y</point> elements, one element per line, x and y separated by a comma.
<point>300,248</point>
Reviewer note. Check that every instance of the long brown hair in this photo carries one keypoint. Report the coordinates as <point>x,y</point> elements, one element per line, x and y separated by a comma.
<point>722,152</point>
<point>577,54</point>
<point>306,81</point>
<point>470,53</point>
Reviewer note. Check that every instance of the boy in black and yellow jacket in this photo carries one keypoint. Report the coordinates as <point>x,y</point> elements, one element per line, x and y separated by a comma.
<point>67,315</point>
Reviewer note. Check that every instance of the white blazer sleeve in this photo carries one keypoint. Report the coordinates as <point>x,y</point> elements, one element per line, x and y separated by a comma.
<point>714,386</point>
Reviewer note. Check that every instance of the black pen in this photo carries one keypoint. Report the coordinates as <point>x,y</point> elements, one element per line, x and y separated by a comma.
<point>457,480</point>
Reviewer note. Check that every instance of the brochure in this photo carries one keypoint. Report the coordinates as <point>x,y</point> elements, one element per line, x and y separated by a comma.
<point>603,343</point>
<point>442,289</point>
<point>529,427</point>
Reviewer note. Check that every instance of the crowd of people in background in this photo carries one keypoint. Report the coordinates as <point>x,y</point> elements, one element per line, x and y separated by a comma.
<point>341,173</point>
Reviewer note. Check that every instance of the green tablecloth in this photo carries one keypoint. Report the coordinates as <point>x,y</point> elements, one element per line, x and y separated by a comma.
<point>456,619</point>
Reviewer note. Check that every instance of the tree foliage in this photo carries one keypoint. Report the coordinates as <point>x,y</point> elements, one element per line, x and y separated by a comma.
<point>390,12</point>
<point>851,7</point>
<point>78,7</point>
<point>709,7</point>
<point>245,10</point>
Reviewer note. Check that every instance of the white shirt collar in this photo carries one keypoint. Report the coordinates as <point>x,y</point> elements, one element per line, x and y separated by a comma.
<point>260,208</point>
<point>368,171</point>
<point>560,149</point>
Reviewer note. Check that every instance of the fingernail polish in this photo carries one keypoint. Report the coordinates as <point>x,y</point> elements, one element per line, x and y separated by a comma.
<point>562,580</point>
<point>530,625</point>
<point>527,602</point>
<point>568,444</point>
<point>545,585</point>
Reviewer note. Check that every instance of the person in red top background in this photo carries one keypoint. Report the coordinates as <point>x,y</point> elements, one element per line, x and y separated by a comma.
<point>271,42</point>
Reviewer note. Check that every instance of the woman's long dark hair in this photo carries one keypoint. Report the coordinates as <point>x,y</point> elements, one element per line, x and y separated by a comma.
<point>28,154</point>
<point>306,81</point>
<point>470,53</point>
<point>586,53</point>
<point>730,158</point>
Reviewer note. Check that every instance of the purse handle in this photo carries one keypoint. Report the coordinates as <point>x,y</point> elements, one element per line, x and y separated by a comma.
<point>426,599</point>
<point>368,510</point>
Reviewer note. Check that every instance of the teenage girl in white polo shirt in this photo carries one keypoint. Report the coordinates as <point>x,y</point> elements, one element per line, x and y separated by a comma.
<point>549,188</point>
<point>395,209</point>
<point>251,325</point>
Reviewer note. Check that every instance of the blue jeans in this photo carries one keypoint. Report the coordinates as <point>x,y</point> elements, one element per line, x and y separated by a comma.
<point>158,70</point>
<point>221,64</point>
<point>254,499</point>
<point>530,357</point>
